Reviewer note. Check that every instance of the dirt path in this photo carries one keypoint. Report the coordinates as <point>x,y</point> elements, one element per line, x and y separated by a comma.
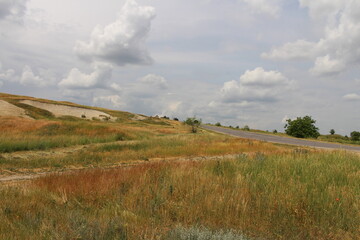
<point>282,140</point>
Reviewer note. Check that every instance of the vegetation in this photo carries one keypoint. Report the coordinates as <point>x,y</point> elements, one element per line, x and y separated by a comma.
<point>302,127</point>
<point>194,123</point>
<point>149,178</point>
<point>355,136</point>
<point>246,128</point>
<point>288,196</point>
<point>332,131</point>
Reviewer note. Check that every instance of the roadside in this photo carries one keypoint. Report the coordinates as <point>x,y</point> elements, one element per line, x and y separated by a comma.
<point>281,140</point>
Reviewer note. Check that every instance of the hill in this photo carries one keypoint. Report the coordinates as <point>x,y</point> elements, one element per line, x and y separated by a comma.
<point>77,172</point>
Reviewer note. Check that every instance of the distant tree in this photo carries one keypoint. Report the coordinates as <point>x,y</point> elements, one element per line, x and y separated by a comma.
<point>218,124</point>
<point>237,127</point>
<point>194,123</point>
<point>355,136</point>
<point>176,119</point>
<point>302,127</point>
<point>246,128</point>
<point>275,131</point>
<point>332,131</point>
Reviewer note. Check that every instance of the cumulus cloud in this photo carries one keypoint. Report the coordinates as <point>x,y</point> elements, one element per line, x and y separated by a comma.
<point>339,48</point>
<point>325,66</point>
<point>155,80</point>
<point>7,75</point>
<point>352,97</point>
<point>28,77</point>
<point>257,85</point>
<point>123,41</point>
<point>116,87</point>
<point>99,78</point>
<point>300,49</point>
<point>114,101</point>
<point>270,7</point>
<point>12,9</point>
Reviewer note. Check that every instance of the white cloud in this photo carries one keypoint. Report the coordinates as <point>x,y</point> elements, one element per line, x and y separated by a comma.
<point>116,87</point>
<point>340,45</point>
<point>324,66</point>
<point>284,120</point>
<point>123,41</point>
<point>257,85</point>
<point>260,77</point>
<point>99,78</point>
<point>323,8</point>
<point>7,75</point>
<point>28,77</point>
<point>12,9</point>
<point>155,80</point>
<point>352,97</point>
<point>270,7</point>
<point>114,101</point>
<point>301,49</point>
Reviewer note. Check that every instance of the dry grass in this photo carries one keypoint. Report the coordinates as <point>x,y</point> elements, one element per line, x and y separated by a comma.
<point>283,196</point>
<point>154,148</point>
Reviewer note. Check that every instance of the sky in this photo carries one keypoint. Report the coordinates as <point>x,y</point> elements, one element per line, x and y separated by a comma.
<point>237,62</point>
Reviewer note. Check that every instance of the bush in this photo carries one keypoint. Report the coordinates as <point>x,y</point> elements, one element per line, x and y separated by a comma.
<point>218,124</point>
<point>194,123</point>
<point>332,131</point>
<point>355,136</point>
<point>302,128</point>
<point>246,128</point>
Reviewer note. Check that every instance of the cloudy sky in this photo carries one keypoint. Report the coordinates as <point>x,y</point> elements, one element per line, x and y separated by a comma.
<point>238,62</point>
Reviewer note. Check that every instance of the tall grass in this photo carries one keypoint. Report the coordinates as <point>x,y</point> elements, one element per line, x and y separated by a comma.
<point>284,196</point>
<point>24,134</point>
<point>155,148</point>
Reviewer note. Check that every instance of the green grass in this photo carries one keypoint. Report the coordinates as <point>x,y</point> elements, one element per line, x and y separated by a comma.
<point>286,196</point>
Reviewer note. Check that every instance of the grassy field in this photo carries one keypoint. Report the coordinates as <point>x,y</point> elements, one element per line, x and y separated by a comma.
<point>137,179</point>
<point>278,196</point>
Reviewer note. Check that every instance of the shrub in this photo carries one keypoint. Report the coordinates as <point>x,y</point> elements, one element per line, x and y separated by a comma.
<point>218,124</point>
<point>302,128</point>
<point>246,128</point>
<point>332,131</point>
<point>355,136</point>
<point>194,123</point>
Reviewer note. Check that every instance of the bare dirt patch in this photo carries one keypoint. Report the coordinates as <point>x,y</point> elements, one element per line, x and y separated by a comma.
<point>62,110</point>
<point>10,110</point>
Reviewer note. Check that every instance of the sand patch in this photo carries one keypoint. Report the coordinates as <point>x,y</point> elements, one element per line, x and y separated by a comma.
<point>62,110</point>
<point>10,110</point>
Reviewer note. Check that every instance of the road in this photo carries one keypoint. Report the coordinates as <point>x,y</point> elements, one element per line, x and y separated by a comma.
<point>278,139</point>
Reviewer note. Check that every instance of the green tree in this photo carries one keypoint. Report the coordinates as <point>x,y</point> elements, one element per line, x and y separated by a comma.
<point>332,131</point>
<point>302,127</point>
<point>355,136</point>
<point>194,123</point>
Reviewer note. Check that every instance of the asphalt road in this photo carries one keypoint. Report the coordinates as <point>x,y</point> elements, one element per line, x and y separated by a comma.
<point>278,139</point>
